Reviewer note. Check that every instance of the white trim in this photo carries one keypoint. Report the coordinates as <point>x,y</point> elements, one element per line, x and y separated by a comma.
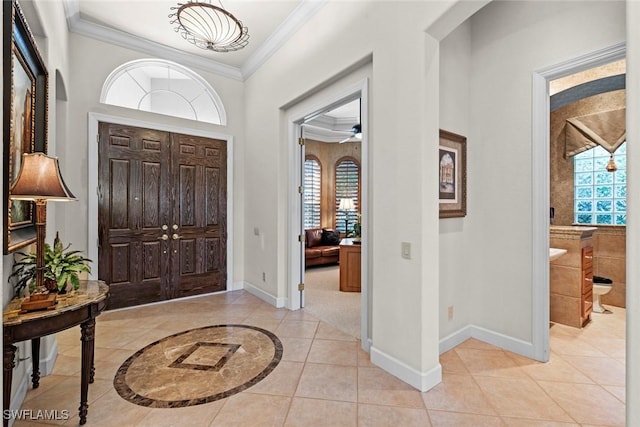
<point>129,41</point>
<point>423,381</point>
<point>264,296</point>
<point>349,93</point>
<point>540,187</point>
<point>92,178</point>
<point>237,286</point>
<point>300,15</point>
<point>47,364</point>
<point>506,342</point>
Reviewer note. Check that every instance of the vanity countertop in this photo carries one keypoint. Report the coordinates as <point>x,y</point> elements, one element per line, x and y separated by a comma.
<point>571,231</point>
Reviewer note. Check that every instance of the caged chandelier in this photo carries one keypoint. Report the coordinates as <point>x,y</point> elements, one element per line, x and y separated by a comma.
<point>209,27</point>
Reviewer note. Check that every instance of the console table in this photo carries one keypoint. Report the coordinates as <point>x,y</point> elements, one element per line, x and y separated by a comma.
<point>80,307</point>
<point>350,276</point>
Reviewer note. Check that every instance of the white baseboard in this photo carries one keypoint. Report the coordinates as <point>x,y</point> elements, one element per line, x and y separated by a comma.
<point>455,339</point>
<point>277,302</point>
<point>47,363</point>
<point>423,381</point>
<point>506,342</point>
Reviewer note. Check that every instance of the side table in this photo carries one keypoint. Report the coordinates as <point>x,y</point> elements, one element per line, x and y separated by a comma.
<point>79,308</point>
<point>350,276</point>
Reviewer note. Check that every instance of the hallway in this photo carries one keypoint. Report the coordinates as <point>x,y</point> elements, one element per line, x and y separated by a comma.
<point>325,379</point>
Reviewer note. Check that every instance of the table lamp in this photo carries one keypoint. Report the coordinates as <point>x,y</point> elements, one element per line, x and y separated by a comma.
<point>39,180</point>
<point>346,205</point>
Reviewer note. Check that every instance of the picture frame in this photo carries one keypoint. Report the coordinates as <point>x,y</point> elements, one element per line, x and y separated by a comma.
<point>25,99</point>
<point>452,181</point>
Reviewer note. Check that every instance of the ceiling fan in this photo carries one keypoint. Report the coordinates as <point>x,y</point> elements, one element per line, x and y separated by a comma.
<point>356,132</point>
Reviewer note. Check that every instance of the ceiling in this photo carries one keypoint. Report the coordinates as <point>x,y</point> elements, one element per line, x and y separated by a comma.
<point>145,26</point>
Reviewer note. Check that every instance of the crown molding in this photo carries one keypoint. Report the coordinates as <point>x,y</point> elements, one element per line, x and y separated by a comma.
<point>279,37</point>
<point>296,19</point>
<point>318,133</point>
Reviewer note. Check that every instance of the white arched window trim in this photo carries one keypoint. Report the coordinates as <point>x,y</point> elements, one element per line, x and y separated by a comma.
<point>195,77</point>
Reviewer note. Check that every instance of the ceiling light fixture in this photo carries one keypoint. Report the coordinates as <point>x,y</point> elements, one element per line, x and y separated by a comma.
<point>209,27</point>
<point>611,166</point>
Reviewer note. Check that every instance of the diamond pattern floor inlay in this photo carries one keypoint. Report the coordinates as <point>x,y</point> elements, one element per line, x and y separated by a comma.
<point>198,366</point>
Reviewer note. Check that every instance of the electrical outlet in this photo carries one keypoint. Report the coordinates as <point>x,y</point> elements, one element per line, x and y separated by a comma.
<point>256,231</point>
<point>264,276</point>
<point>450,312</point>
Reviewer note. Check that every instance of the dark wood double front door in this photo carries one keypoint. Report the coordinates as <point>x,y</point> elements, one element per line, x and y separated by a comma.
<point>162,214</point>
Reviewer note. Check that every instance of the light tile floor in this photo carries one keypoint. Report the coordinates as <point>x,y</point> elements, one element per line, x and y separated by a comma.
<point>325,379</point>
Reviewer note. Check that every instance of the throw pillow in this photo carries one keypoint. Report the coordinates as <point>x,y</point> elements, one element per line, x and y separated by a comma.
<point>330,237</point>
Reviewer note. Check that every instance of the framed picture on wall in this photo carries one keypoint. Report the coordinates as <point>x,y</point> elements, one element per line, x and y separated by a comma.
<point>24,124</point>
<point>452,182</point>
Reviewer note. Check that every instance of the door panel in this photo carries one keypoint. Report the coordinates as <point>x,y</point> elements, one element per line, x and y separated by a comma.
<point>134,194</point>
<point>200,214</point>
<point>162,202</point>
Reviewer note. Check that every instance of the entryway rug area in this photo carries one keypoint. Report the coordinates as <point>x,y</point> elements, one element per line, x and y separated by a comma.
<point>198,366</point>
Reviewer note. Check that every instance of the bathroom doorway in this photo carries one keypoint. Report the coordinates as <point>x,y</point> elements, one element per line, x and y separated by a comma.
<point>573,94</point>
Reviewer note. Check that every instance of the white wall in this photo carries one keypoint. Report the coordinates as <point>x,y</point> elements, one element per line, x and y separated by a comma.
<point>403,204</point>
<point>508,41</point>
<point>455,67</point>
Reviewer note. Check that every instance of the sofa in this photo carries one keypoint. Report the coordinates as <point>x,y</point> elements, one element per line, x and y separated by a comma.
<point>322,246</point>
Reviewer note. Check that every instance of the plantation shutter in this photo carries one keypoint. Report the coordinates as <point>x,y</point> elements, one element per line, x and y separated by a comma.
<point>347,186</point>
<point>311,194</point>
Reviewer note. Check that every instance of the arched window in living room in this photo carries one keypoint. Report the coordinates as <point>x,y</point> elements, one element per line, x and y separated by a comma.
<point>347,188</point>
<point>312,191</point>
<point>163,87</point>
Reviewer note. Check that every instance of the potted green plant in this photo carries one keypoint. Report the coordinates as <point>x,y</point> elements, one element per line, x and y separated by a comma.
<point>61,267</point>
<point>356,233</point>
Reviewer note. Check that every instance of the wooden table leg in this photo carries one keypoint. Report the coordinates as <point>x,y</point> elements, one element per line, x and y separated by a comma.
<point>9,364</point>
<point>35,359</point>
<point>88,329</point>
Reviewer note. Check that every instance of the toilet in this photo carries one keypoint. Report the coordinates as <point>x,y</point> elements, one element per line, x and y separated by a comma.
<point>601,286</point>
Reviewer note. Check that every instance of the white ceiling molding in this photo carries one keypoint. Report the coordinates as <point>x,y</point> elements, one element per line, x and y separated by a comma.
<point>300,15</point>
<point>318,133</point>
<point>294,21</point>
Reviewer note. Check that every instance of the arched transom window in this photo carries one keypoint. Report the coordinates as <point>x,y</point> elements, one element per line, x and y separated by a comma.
<point>163,87</point>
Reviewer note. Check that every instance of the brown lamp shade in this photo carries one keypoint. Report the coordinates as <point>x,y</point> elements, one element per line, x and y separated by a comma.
<point>40,179</point>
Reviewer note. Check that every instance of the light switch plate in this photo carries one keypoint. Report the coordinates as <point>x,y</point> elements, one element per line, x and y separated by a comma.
<point>406,250</point>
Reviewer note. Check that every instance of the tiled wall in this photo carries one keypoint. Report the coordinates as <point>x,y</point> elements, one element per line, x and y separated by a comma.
<point>608,242</point>
<point>609,254</point>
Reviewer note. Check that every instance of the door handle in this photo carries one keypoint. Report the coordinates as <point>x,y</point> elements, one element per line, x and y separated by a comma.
<point>176,236</point>
<point>165,227</point>
<point>175,226</point>
<point>164,237</point>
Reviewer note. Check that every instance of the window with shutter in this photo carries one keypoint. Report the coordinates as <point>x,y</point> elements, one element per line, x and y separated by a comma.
<point>311,193</point>
<point>347,186</point>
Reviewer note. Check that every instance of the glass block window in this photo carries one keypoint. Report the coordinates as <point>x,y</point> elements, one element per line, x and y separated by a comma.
<point>600,197</point>
<point>347,186</point>
<point>311,193</point>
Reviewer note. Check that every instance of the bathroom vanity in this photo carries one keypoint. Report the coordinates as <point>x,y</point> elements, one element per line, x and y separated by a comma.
<point>571,275</point>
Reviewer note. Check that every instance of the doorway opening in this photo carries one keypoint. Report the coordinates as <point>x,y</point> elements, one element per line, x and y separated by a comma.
<point>542,180</point>
<point>332,216</point>
<point>344,157</point>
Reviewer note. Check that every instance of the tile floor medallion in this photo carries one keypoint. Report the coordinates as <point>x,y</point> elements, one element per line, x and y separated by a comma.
<point>198,366</point>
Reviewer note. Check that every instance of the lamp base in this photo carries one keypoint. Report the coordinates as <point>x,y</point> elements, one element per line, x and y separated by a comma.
<point>38,302</point>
